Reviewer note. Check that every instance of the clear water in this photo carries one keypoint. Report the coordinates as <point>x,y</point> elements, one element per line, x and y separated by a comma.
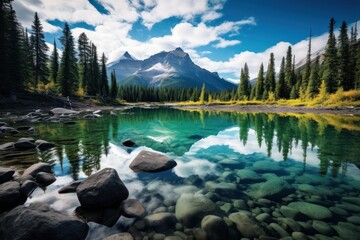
<point>317,155</point>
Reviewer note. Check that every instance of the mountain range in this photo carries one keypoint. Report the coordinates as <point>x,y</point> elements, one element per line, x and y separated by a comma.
<point>173,69</point>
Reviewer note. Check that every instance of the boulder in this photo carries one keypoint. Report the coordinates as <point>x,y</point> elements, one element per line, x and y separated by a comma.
<point>160,222</point>
<point>71,188</point>
<point>322,227</point>
<point>215,228</point>
<point>279,230</point>
<point>34,169</point>
<point>120,236</point>
<point>6,174</point>
<point>102,189</point>
<point>9,193</point>
<point>61,111</point>
<point>39,221</point>
<point>313,211</point>
<point>27,187</point>
<point>267,166</point>
<point>107,216</point>
<point>44,145</point>
<point>44,178</point>
<point>7,146</point>
<point>132,208</point>
<point>222,188</point>
<point>147,161</point>
<point>273,189</point>
<point>128,143</point>
<point>26,139</point>
<point>347,230</point>
<point>192,208</point>
<point>246,224</point>
<point>24,145</point>
<point>231,163</point>
<point>248,176</point>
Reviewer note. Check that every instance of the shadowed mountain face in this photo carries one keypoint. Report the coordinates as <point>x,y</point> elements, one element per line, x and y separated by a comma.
<point>166,69</point>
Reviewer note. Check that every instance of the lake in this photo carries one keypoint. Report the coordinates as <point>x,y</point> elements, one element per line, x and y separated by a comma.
<point>264,174</point>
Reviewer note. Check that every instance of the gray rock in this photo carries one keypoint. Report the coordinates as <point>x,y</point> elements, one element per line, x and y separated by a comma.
<point>7,146</point>
<point>347,230</point>
<point>246,224</point>
<point>44,178</point>
<point>173,238</point>
<point>27,187</point>
<point>120,236</point>
<point>289,212</point>
<point>71,188</point>
<point>263,217</point>
<point>39,221</point>
<point>132,208</point>
<point>160,222</point>
<point>9,193</point>
<point>273,189</point>
<point>44,145</point>
<point>248,176</point>
<point>322,227</point>
<point>299,236</point>
<point>26,139</point>
<point>34,169</point>
<point>215,228</point>
<point>240,204</point>
<point>24,145</point>
<point>62,111</point>
<point>102,189</point>
<point>290,224</point>
<point>339,211</point>
<point>147,161</point>
<point>107,216</point>
<point>267,166</point>
<point>191,208</point>
<point>313,211</point>
<point>222,188</point>
<point>279,230</point>
<point>6,174</point>
<point>128,143</point>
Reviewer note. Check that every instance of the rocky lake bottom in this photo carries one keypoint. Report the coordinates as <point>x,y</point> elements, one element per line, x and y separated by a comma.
<point>207,175</point>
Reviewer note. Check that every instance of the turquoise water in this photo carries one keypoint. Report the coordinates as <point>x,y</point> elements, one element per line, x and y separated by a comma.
<point>257,163</point>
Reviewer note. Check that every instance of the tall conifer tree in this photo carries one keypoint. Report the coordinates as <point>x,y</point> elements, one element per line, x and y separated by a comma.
<point>330,61</point>
<point>344,72</point>
<point>270,77</point>
<point>104,85</point>
<point>54,64</point>
<point>84,60</point>
<point>281,89</point>
<point>259,87</point>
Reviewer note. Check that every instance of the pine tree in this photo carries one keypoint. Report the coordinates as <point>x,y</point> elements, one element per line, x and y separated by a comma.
<point>84,60</point>
<point>270,77</point>
<point>344,72</point>
<point>259,87</point>
<point>114,87</point>
<point>244,85</point>
<point>54,64</point>
<point>357,74</point>
<point>353,53</point>
<point>39,47</point>
<point>68,72</point>
<point>202,94</point>
<point>307,70</point>
<point>104,85</point>
<point>314,83</point>
<point>330,61</point>
<point>288,72</point>
<point>281,88</point>
<point>28,60</point>
<point>93,84</point>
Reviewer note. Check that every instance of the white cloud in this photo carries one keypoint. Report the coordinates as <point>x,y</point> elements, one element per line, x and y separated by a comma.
<point>226,43</point>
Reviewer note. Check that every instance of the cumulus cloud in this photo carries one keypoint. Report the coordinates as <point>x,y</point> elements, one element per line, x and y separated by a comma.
<point>226,43</point>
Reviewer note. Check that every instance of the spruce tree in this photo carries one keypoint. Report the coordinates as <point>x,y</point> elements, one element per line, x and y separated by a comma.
<point>344,72</point>
<point>114,87</point>
<point>307,70</point>
<point>353,53</point>
<point>357,74</point>
<point>54,64</point>
<point>94,77</point>
<point>84,60</point>
<point>259,87</point>
<point>39,49</point>
<point>270,77</point>
<point>104,85</point>
<point>314,83</point>
<point>68,72</point>
<point>281,88</point>
<point>244,85</point>
<point>28,61</point>
<point>330,60</point>
<point>288,72</point>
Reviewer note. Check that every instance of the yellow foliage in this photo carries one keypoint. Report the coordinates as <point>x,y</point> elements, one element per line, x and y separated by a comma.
<point>80,92</point>
<point>271,97</point>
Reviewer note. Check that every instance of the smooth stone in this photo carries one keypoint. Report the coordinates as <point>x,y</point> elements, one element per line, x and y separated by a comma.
<point>273,189</point>
<point>289,212</point>
<point>322,227</point>
<point>26,139</point>
<point>173,238</point>
<point>353,200</point>
<point>44,178</point>
<point>132,208</point>
<point>226,207</point>
<point>24,145</point>
<point>215,227</point>
<point>248,176</point>
<point>44,145</point>
<point>71,188</point>
<point>279,230</point>
<point>107,216</point>
<point>160,209</point>
<point>299,236</point>
<point>240,204</point>
<point>97,111</point>
<point>232,164</point>
<point>222,188</point>
<point>263,217</point>
<point>14,132</point>
<point>266,166</point>
<point>151,162</point>
<point>39,221</point>
<point>313,211</point>
<point>23,128</point>
<point>158,236</point>
<point>191,208</point>
<point>354,220</point>
<point>7,146</point>
<point>290,223</point>
<point>347,230</point>
<point>120,236</point>
<point>128,143</point>
<point>60,111</point>
<point>34,169</point>
<point>102,189</point>
<point>6,174</point>
<point>9,193</point>
<point>160,222</point>
<point>349,207</point>
<point>246,225</point>
<point>339,211</point>
<point>27,187</point>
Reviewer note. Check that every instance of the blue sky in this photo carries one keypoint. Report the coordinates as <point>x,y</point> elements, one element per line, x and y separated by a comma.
<point>219,35</point>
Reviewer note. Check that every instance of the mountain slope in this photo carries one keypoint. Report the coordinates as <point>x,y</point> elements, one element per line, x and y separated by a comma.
<point>166,69</point>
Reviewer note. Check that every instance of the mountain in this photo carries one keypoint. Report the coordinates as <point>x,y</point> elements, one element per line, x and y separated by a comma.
<point>166,69</point>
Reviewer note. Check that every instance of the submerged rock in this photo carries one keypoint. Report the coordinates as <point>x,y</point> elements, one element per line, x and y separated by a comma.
<point>267,166</point>
<point>128,143</point>
<point>7,146</point>
<point>27,188</point>
<point>246,224</point>
<point>60,111</point>
<point>45,179</point>
<point>273,189</point>
<point>191,208</point>
<point>24,145</point>
<point>215,228</point>
<point>132,208</point>
<point>222,188</point>
<point>107,216</point>
<point>44,145</point>
<point>160,222</point>
<point>71,188</point>
<point>313,211</point>
<point>102,189</point>
<point>147,161</point>
<point>6,174</point>
<point>120,236</point>
<point>39,221</point>
<point>34,169</point>
<point>9,194</point>
<point>248,176</point>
